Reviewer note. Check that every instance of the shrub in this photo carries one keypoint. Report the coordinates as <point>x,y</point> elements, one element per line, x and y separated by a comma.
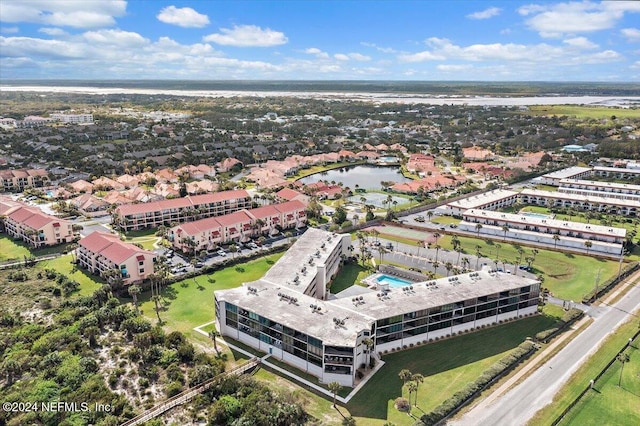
<point>173,389</point>
<point>402,404</point>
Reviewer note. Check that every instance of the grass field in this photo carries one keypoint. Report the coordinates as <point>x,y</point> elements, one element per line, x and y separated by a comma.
<point>566,275</point>
<point>350,274</point>
<point>189,303</point>
<point>17,250</point>
<point>583,111</point>
<point>448,366</point>
<point>88,283</point>
<point>607,403</point>
<point>618,411</point>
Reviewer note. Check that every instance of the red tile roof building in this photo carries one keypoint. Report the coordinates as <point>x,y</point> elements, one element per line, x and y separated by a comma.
<point>207,234</point>
<point>19,180</point>
<point>34,227</point>
<point>151,215</point>
<point>100,252</point>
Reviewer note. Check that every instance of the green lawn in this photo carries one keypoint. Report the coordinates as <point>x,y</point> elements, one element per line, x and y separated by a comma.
<point>566,275</point>
<point>448,366</point>
<point>189,303</point>
<point>17,250</point>
<point>350,274</point>
<point>607,404</point>
<point>88,283</point>
<point>445,220</point>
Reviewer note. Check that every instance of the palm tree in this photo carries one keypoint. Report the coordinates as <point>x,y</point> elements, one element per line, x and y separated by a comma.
<point>478,228</point>
<point>448,266</point>
<point>412,387</point>
<point>134,290</point>
<point>417,379</point>
<point>505,229</point>
<point>213,334</point>
<point>498,246</point>
<point>405,376</point>
<point>420,243</point>
<point>622,358</point>
<point>477,256</point>
<point>430,215</point>
<point>465,263</point>
<point>556,238</point>
<point>368,344</point>
<point>588,245</point>
<point>437,250</point>
<point>381,252</point>
<point>455,242</point>
<point>436,235</point>
<point>458,250</point>
<point>233,249</point>
<point>334,387</point>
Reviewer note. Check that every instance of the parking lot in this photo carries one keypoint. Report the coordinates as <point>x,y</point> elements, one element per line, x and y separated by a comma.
<point>180,264</point>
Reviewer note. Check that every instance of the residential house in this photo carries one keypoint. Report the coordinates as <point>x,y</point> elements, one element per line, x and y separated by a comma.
<point>36,228</point>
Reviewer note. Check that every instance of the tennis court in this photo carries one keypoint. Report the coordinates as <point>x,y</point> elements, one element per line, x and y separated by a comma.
<point>410,234</point>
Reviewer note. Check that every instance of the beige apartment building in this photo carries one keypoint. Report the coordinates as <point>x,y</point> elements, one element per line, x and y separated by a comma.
<point>131,217</point>
<point>100,252</point>
<point>36,228</point>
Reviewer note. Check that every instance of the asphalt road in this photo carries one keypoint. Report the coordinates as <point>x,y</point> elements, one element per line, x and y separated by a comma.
<point>521,403</point>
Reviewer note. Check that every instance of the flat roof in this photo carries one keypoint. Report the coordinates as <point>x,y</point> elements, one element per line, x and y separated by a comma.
<point>483,199</point>
<point>359,315</point>
<point>602,185</point>
<point>433,293</point>
<point>298,315</point>
<point>596,198</point>
<point>616,170</point>
<point>312,248</point>
<point>567,173</point>
<point>551,223</point>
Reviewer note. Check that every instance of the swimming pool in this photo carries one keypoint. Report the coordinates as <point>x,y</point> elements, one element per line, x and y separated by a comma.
<point>537,215</point>
<point>392,281</point>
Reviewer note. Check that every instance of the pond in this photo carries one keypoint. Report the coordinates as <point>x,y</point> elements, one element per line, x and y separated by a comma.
<point>366,177</point>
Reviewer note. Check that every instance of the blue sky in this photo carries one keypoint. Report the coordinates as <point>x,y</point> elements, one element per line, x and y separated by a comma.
<point>321,40</point>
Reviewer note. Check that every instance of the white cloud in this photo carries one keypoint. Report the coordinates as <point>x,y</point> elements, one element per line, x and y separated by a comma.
<point>635,65</point>
<point>571,53</point>
<point>247,36</point>
<point>453,68</point>
<point>183,17</point>
<point>631,34</point>
<point>576,17</point>
<point>64,13</point>
<point>56,32</point>
<point>506,31</point>
<point>352,56</point>
<point>9,30</point>
<point>378,48</point>
<point>115,38</point>
<point>581,43</point>
<point>485,14</point>
<point>317,52</point>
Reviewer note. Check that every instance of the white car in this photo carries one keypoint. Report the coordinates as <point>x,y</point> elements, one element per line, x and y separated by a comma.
<point>222,253</point>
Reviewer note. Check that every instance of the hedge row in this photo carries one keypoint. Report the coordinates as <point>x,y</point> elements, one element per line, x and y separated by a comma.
<point>474,388</point>
<point>569,317</point>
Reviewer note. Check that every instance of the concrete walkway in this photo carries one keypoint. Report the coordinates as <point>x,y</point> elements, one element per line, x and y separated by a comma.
<point>289,374</point>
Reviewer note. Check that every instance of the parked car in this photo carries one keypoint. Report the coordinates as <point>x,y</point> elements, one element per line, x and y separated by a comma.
<point>419,218</point>
<point>221,253</point>
<point>389,246</point>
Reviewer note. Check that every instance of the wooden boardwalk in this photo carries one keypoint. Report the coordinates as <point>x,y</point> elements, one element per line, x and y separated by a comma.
<point>187,395</point>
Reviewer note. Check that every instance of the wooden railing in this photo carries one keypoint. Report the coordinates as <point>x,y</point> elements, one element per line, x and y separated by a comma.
<point>187,395</point>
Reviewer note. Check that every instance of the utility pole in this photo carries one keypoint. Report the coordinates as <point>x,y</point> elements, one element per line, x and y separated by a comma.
<point>595,295</point>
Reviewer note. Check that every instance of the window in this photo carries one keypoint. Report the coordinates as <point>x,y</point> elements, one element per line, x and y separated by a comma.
<point>141,270</point>
<point>141,263</point>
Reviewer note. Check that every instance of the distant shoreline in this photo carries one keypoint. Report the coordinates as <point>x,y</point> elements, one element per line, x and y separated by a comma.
<point>375,97</point>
